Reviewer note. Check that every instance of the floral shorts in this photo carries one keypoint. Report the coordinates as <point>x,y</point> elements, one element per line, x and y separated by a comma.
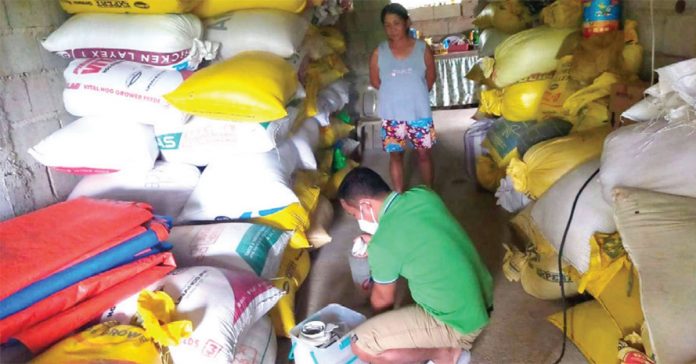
<point>420,134</point>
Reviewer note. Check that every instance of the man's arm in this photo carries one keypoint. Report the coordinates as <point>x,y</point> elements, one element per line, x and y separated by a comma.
<point>383,296</point>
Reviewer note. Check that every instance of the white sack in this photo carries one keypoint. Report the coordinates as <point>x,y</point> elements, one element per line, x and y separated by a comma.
<point>592,214</point>
<point>172,41</point>
<point>330,100</point>
<point>659,233</point>
<point>94,145</point>
<point>240,187</point>
<point>251,247</point>
<point>658,156</point>
<point>268,30</point>
<point>107,87</point>
<point>258,345</point>
<point>166,187</point>
<point>306,142</point>
<point>221,304</point>
<point>201,140</point>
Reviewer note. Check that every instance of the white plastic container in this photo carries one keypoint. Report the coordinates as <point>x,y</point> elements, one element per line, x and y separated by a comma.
<point>339,352</point>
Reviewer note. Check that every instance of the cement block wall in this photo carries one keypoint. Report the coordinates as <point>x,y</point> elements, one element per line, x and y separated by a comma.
<point>31,105</point>
<point>440,21</point>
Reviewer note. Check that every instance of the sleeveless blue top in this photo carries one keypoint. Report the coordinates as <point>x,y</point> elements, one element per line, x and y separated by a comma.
<point>403,93</point>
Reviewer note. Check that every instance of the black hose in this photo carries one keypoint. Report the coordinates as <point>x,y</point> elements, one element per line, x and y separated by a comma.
<point>560,266</point>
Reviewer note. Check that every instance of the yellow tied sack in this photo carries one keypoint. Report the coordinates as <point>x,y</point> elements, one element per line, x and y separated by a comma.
<point>252,86</point>
<point>560,88</point>
<point>546,162</point>
<point>491,102</point>
<point>337,178</point>
<point>294,268</point>
<point>129,6</point>
<point>488,174</point>
<point>509,16</point>
<point>591,329</point>
<point>600,87</point>
<point>327,70</point>
<point>295,217</point>
<point>112,342</point>
<point>331,134</point>
<point>563,14</point>
<point>632,52</point>
<point>527,53</point>
<point>210,8</point>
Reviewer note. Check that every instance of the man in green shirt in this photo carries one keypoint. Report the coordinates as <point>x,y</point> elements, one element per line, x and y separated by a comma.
<point>413,235</point>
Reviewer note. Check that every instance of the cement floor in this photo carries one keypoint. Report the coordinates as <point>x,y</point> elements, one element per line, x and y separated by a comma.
<point>518,332</point>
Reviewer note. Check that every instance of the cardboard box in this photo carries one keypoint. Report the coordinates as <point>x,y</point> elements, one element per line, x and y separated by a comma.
<point>624,95</point>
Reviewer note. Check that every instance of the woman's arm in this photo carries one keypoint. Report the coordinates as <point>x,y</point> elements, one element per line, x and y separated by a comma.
<point>374,70</point>
<point>429,67</point>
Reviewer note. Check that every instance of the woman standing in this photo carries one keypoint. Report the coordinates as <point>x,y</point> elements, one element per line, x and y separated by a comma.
<point>403,69</point>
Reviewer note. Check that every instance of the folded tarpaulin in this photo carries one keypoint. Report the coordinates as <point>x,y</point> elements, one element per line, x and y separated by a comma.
<point>75,294</point>
<point>126,252</point>
<point>48,332</point>
<point>39,244</point>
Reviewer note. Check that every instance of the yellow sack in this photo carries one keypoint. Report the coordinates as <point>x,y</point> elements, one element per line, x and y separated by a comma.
<point>325,161</point>
<point>591,329</point>
<point>563,14</point>
<point>333,133</point>
<point>521,101</point>
<point>537,267</point>
<point>647,344</point>
<point>476,74</point>
<point>491,102</point>
<point>600,87</point>
<point>546,162</point>
<point>322,217</point>
<point>488,174</point>
<point>596,55</point>
<point>327,70</point>
<point>595,114</point>
<point>337,178</point>
<point>112,342</point>
<point>252,86</point>
<point>294,268</point>
<point>527,53</point>
<point>509,16</point>
<point>129,6</point>
<point>312,90</point>
<point>295,217</point>
<point>210,8</point>
<point>560,88</point>
<point>334,38</point>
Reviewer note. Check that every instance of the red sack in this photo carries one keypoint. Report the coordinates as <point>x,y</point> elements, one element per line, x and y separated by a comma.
<point>39,244</point>
<point>75,294</point>
<point>57,327</point>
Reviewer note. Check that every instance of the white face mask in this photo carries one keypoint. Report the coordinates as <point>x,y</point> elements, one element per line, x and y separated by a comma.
<point>369,227</point>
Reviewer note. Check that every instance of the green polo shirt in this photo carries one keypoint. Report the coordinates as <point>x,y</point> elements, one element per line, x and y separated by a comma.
<point>420,240</point>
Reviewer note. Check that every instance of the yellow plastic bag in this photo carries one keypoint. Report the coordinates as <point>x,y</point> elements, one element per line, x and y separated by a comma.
<point>510,16</point>
<point>129,6</point>
<point>526,53</point>
<point>491,102</point>
<point>294,268</point>
<point>520,101</point>
<point>560,88</point>
<point>295,217</point>
<point>632,52</point>
<point>488,174</point>
<point>252,86</point>
<point>111,342</point>
<point>337,178</point>
<point>210,8</point>
<point>600,87</point>
<point>334,38</point>
<point>333,133</point>
<point>591,329</point>
<point>563,14</point>
<point>546,162</point>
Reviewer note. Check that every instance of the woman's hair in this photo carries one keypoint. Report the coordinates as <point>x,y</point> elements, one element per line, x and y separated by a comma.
<point>396,9</point>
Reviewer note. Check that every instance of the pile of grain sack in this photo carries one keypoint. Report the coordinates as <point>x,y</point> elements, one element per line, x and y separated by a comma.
<point>227,117</point>
<point>543,132</point>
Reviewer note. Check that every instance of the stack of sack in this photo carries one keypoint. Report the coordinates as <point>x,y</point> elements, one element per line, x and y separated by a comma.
<point>238,134</point>
<point>67,263</point>
<point>547,137</point>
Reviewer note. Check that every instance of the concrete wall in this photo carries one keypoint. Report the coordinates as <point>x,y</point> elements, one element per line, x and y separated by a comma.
<point>440,21</point>
<point>31,106</point>
<point>675,34</point>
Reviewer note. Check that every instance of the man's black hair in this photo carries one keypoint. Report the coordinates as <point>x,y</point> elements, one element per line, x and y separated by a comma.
<point>360,183</point>
<point>396,9</point>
